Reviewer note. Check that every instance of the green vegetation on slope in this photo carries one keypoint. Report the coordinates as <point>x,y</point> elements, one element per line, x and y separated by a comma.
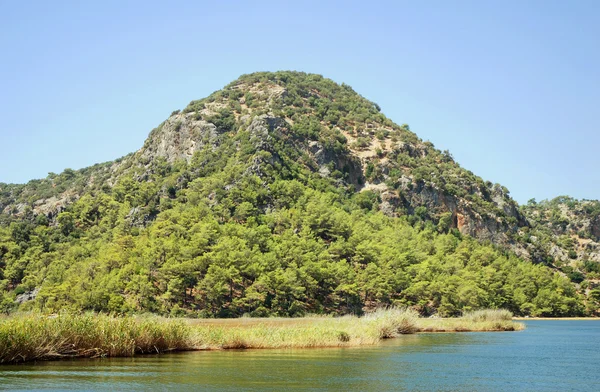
<point>565,235</point>
<point>264,217</point>
<point>211,254</point>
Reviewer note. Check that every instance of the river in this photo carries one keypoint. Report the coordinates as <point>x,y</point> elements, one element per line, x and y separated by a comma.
<point>547,356</point>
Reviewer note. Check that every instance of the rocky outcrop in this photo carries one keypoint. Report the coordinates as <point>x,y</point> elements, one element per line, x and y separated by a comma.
<point>568,229</point>
<point>464,217</point>
<point>28,296</point>
<point>179,137</point>
<point>55,205</point>
<point>262,130</point>
<point>49,207</point>
<point>344,162</point>
<point>595,228</point>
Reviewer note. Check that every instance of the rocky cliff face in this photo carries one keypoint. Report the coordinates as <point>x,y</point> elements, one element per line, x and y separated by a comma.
<point>567,229</point>
<point>179,137</point>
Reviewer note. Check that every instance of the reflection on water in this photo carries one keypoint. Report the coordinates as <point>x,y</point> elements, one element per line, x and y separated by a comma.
<point>548,356</point>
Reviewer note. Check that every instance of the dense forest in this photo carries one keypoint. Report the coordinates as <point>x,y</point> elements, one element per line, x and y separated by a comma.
<point>283,194</point>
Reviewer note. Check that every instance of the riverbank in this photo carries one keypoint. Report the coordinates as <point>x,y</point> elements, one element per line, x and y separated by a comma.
<point>37,337</point>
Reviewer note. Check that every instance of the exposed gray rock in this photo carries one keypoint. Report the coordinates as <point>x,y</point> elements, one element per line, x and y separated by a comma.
<point>138,217</point>
<point>178,138</point>
<point>595,228</point>
<point>260,130</point>
<point>390,204</point>
<point>28,296</point>
<point>261,126</point>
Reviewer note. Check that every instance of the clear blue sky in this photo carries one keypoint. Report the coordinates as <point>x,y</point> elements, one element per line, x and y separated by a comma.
<point>511,88</point>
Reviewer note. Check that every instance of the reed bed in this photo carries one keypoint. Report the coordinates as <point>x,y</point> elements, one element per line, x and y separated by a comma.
<point>488,315</point>
<point>319,332</point>
<point>31,337</point>
<point>37,337</point>
<point>484,320</point>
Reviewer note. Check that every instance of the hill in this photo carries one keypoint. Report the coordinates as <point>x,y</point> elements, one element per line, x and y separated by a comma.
<point>282,194</point>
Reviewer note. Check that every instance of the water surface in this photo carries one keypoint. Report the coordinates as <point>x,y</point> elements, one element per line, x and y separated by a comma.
<point>547,356</point>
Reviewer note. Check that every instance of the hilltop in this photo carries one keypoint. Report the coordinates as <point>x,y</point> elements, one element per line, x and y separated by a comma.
<point>286,193</point>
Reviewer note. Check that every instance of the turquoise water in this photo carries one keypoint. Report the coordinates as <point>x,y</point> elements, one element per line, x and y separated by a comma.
<point>548,356</point>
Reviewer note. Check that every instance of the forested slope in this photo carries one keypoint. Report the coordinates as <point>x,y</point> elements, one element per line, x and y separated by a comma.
<point>282,194</point>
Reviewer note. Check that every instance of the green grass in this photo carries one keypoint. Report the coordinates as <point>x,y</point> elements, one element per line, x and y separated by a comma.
<point>32,337</point>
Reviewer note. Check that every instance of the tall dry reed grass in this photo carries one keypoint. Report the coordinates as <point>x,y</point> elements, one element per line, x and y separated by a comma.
<point>29,337</point>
